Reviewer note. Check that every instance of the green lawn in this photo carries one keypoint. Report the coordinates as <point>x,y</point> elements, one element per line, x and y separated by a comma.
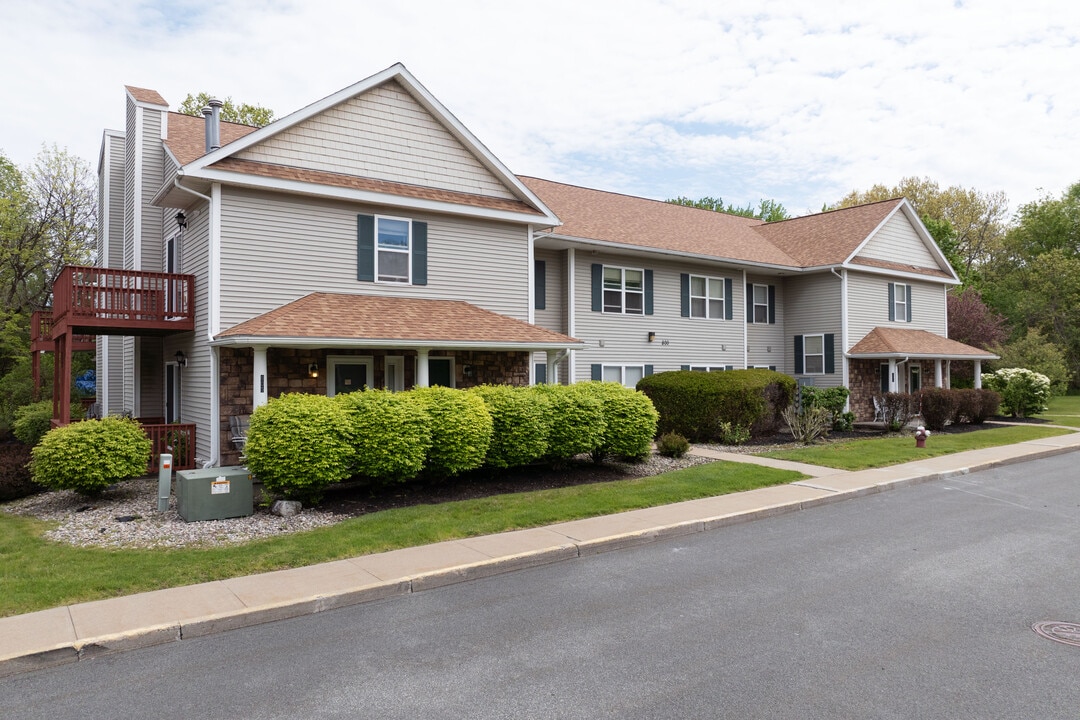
<point>1063,410</point>
<point>37,574</point>
<point>880,452</point>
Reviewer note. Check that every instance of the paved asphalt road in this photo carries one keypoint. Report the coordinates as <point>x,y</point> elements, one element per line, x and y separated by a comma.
<point>915,603</point>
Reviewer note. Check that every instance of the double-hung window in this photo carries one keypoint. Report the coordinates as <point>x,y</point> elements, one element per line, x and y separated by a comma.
<point>624,290</point>
<point>707,297</point>
<point>814,354</point>
<point>761,304</point>
<point>393,244</point>
<point>900,301</point>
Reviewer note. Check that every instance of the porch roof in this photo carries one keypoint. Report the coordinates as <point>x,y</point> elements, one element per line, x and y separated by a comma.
<point>897,343</point>
<point>343,320</point>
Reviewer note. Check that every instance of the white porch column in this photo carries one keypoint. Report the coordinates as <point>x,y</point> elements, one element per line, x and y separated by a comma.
<point>978,374</point>
<point>422,368</point>
<point>894,382</point>
<point>937,373</point>
<point>258,386</point>
<point>552,367</point>
<point>948,373</point>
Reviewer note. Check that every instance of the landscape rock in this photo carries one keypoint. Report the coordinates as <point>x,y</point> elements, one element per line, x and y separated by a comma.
<point>286,508</point>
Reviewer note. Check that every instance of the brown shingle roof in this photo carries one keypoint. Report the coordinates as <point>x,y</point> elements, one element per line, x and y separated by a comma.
<point>335,316</point>
<point>882,341</point>
<point>147,96</point>
<point>827,238</point>
<point>599,215</point>
<point>354,182</point>
<point>187,136</point>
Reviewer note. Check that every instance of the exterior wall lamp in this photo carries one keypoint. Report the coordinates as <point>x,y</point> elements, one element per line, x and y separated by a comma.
<point>181,220</point>
<point>313,370</point>
<point>652,337</point>
<point>181,358</point>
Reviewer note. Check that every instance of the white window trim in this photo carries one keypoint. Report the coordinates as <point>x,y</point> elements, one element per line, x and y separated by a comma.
<point>898,304</point>
<point>397,361</point>
<point>622,291</point>
<point>622,372</point>
<point>706,297</point>
<point>332,361</point>
<point>806,354</point>
<point>407,252</point>
<point>755,304</point>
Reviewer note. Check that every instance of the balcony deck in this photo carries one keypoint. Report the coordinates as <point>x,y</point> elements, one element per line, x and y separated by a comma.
<point>107,301</point>
<point>41,339</point>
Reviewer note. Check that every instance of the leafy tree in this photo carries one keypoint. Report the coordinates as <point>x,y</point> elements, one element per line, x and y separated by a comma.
<point>243,113</point>
<point>1036,353</point>
<point>978,219</point>
<point>767,210</point>
<point>972,322</point>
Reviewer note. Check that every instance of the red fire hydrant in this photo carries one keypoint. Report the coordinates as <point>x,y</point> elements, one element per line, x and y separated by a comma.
<point>921,434</point>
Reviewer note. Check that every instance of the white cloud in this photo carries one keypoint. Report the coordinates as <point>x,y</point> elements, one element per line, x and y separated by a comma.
<point>789,100</point>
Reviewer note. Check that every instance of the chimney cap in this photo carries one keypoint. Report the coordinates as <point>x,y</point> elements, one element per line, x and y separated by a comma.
<point>214,102</point>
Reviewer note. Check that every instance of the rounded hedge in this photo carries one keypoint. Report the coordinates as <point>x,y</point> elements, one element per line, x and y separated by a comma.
<point>389,432</point>
<point>520,423</point>
<point>91,455</point>
<point>299,444</point>
<point>461,429</point>
<point>629,420</point>
<point>698,404</point>
<point>34,420</point>
<point>577,420</point>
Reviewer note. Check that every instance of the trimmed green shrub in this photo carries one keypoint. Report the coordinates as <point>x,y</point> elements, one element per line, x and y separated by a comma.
<point>461,429</point>
<point>390,433</point>
<point>629,420</point>
<point>968,405</point>
<point>834,400</point>
<point>1023,392</point>
<point>672,445</point>
<point>989,402</point>
<point>577,420</point>
<point>299,444</point>
<point>89,456</point>
<point>697,404</point>
<point>34,420</point>
<point>521,420</point>
<point>939,406</point>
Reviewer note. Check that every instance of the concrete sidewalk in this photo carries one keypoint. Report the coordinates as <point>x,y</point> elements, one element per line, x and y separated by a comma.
<point>76,632</point>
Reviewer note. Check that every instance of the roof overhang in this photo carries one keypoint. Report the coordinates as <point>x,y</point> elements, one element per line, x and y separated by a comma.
<point>382,343</point>
<point>918,356</point>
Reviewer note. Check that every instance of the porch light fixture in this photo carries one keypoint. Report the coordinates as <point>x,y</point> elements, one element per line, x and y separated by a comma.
<point>181,220</point>
<point>313,370</point>
<point>652,337</point>
<point>181,358</point>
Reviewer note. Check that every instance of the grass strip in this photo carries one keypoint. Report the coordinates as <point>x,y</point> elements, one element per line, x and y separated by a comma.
<point>37,574</point>
<point>893,450</point>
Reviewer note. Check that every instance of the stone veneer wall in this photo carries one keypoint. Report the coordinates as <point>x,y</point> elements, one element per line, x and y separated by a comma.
<point>287,371</point>
<point>865,382</point>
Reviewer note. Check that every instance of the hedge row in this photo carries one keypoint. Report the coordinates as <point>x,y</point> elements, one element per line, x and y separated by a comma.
<point>704,406</point>
<point>941,406</point>
<point>298,444</point>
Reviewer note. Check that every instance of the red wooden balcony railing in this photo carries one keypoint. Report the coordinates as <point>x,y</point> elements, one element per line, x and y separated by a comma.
<point>111,300</point>
<point>41,339</point>
<point>177,439</point>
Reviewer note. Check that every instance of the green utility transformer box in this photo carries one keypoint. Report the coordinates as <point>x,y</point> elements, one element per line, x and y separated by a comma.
<point>214,493</point>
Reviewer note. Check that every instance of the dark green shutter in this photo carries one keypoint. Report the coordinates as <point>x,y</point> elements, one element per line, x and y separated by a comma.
<point>909,303</point>
<point>830,354</point>
<point>648,370</point>
<point>541,373</point>
<point>597,287</point>
<point>749,302</point>
<point>772,304</point>
<point>684,295</point>
<point>540,284</point>
<point>729,309</point>
<point>648,293</point>
<point>798,355</point>
<point>597,371</point>
<point>419,253</point>
<point>773,368</point>
<point>365,248</point>
<point>892,303</point>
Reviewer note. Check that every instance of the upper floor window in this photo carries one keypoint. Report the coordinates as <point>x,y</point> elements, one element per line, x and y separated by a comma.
<point>624,290</point>
<point>391,250</point>
<point>761,304</point>
<point>899,302</point>
<point>392,257</point>
<point>706,297</point>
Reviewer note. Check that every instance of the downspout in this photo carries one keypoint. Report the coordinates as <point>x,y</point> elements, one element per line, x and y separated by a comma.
<point>215,370</point>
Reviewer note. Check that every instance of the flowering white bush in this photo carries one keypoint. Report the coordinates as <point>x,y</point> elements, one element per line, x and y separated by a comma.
<point>1023,392</point>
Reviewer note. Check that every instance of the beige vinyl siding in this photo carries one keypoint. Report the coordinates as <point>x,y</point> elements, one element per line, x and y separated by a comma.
<point>151,378</point>
<point>153,161</point>
<point>128,373</point>
<point>868,305</point>
<point>196,391</point>
<point>689,341</point>
<point>553,316</point>
<point>765,342</point>
<point>812,307</point>
<point>114,258</point>
<point>314,249</point>
<point>897,241</point>
<point>383,134</point>
<point>129,185</point>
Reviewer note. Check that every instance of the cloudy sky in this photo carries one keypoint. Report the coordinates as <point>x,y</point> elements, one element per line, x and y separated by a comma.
<point>791,100</point>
